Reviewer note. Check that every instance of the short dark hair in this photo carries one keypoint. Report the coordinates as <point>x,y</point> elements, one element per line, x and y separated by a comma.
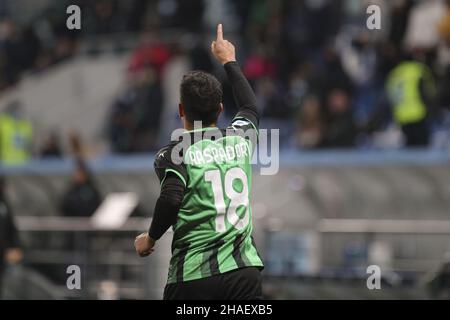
<point>201,95</point>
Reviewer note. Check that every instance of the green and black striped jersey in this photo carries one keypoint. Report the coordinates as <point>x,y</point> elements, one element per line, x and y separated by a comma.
<point>213,231</point>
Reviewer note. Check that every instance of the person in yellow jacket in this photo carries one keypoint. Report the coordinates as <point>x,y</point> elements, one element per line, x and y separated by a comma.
<point>411,88</point>
<point>16,135</point>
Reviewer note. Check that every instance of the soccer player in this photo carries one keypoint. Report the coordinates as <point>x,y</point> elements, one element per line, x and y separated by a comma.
<point>206,196</point>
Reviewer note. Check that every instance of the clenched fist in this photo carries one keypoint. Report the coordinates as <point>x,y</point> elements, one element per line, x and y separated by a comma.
<point>222,49</point>
<point>144,244</point>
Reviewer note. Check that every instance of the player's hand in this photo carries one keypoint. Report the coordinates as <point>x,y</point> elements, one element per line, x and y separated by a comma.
<point>222,49</point>
<point>144,244</point>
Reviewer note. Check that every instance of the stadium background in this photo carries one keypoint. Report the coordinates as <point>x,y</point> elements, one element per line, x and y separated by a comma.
<point>82,113</point>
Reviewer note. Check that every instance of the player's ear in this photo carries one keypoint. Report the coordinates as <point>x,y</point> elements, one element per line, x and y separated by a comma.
<point>181,110</point>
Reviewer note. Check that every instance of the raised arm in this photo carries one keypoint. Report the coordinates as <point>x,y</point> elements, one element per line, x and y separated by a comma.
<point>245,98</point>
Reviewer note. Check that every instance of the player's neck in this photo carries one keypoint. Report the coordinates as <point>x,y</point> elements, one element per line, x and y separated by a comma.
<point>190,126</point>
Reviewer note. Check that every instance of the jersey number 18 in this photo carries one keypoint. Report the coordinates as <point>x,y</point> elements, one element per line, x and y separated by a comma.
<point>236,198</point>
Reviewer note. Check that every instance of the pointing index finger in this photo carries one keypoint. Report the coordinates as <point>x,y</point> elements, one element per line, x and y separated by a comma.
<point>219,32</point>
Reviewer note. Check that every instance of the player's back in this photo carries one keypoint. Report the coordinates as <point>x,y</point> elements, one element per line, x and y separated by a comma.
<point>212,234</point>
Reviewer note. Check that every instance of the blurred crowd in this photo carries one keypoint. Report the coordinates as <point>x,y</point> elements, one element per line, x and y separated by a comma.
<point>34,36</point>
<point>320,75</point>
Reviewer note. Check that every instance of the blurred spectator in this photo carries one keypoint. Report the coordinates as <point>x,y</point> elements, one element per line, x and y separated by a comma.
<point>422,29</point>
<point>10,252</point>
<point>332,72</point>
<point>303,29</point>
<point>76,144</point>
<point>148,109</point>
<point>101,17</point>
<point>201,57</point>
<point>310,125</point>
<point>270,101</point>
<point>177,66</point>
<point>51,147</point>
<point>82,197</point>
<point>399,19</point>
<point>27,48</point>
<point>411,91</point>
<point>258,65</point>
<point>135,116</point>
<point>444,24</point>
<point>359,61</point>
<point>301,82</point>
<point>18,50</point>
<point>340,129</point>
<point>121,125</point>
<point>439,283</point>
<point>150,52</point>
<point>16,135</point>
<point>444,59</point>
<point>189,15</point>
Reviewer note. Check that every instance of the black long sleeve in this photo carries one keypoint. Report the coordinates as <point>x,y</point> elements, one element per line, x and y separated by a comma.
<point>167,206</point>
<point>243,93</point>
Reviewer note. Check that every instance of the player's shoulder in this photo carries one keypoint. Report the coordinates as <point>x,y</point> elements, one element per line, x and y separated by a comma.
<point>165,149</point>
<point>166,160</point>
<point>243,127</point>
<point>164,155</point>
<point>241,123</point>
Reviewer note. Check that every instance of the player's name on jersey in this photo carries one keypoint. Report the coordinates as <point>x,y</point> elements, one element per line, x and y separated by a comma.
<point>219,154</point>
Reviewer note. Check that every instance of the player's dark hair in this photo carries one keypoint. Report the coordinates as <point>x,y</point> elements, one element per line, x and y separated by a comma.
<point>201,95</point>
